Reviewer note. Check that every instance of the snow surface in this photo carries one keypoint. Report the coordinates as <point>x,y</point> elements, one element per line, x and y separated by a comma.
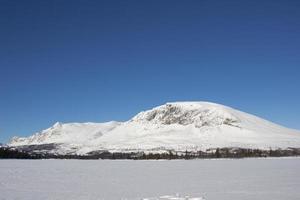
<point>177,197</point>
<point>242,179</point>
<point>174,126</point>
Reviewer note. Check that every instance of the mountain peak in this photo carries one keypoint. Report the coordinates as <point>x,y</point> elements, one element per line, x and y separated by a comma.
<point>57,124</point>
<point>184,113</point>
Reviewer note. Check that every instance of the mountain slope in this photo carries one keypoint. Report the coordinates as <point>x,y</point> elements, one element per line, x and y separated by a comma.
<point>177,126</point>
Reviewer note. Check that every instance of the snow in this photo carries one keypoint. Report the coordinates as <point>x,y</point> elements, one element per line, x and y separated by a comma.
<point>71,133</point>
<point>242,179</point>
<point>173,126</point>
<point>177,197</point>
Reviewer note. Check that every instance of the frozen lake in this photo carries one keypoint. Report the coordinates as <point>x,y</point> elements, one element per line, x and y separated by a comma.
<point>245,179</point>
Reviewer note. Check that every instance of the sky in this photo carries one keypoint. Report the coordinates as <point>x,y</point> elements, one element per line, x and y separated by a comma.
<point>80,61</point>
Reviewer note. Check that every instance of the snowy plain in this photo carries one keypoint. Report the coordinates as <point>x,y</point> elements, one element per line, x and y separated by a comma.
<point>241,179</point>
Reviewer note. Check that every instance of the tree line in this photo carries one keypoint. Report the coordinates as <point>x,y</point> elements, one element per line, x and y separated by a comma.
<point>12,153</point>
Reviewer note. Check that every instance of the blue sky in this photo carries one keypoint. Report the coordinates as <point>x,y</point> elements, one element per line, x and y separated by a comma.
<point>78,61</point>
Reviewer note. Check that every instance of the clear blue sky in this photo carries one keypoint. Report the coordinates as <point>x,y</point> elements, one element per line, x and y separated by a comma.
<point>78,61</point>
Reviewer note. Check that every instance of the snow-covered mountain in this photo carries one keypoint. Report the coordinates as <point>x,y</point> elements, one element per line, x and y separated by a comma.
<point>173,126</point>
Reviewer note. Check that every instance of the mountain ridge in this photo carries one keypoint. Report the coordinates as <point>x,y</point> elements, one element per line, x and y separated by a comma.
<point>172,126</point>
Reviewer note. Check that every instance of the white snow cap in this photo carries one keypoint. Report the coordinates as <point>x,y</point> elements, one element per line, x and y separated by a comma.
<point>185,113</point>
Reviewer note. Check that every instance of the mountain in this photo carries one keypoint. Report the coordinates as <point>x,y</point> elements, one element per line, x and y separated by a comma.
<point>175,126</point>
